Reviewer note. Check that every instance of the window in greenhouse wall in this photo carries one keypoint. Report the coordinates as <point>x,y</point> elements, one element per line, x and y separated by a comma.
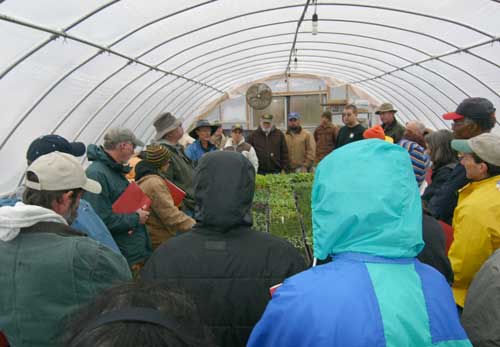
<point>276,108</point>
<point>309,107</point>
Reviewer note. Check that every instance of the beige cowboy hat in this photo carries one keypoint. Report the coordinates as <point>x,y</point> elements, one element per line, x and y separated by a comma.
<point>386,107</point>
<point>164,124</point>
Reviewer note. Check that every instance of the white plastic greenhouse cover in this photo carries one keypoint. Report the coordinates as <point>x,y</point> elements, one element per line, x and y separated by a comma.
<point>76,67</point>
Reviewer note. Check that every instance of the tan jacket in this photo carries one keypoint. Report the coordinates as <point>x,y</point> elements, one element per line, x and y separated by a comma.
<point>165,219</point>
<point>301,149</point>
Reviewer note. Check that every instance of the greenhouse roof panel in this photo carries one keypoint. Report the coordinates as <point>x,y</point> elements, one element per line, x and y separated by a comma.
<point>79,67</point>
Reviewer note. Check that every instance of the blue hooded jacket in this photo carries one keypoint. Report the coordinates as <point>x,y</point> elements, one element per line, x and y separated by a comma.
<point>367,215</point>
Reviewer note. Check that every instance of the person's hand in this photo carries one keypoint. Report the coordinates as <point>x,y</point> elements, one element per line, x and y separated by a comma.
<point>143,215</point>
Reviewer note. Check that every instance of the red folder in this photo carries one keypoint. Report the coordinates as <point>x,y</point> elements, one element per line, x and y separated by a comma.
<point>132,199</point>
<point>177,193</point>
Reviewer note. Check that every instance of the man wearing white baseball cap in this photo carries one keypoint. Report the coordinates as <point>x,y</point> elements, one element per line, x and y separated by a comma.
<point>476,221</point>
<point>48,268</point>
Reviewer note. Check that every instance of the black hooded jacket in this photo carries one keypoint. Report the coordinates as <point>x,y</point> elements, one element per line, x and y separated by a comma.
<point>222,263</point>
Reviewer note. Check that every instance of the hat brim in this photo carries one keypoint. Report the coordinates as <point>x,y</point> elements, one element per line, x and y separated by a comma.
<point>382,111</point>
<point>388,139</point>
<point>461,146</point>
<point>92,186</point>
<point>138,142</point>
<point>77,149</point>
<point>159,135</point>
<point>452,116</point>
<point>213,129</point>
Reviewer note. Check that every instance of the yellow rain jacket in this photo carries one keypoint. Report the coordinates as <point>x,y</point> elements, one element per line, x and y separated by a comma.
<point>476,224</point>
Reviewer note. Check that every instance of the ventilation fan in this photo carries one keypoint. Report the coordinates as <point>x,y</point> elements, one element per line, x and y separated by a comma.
<point>259,96</point>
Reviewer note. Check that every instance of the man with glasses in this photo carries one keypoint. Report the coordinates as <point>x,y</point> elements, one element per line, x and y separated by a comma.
<point>474,116</point>
<point>477,215</point>
<point>109,168</point>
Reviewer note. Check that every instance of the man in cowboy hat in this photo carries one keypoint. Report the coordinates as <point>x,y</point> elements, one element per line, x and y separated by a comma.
<point>202,132</point>
<point>390,124</point>
<point>168,133</point>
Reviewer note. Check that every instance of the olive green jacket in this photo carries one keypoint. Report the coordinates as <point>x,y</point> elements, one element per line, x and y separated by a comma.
<point>48,271</point>
<point>180,172</point>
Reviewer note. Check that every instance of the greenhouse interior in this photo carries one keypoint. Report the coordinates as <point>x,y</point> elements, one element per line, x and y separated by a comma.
<point>277,81</point>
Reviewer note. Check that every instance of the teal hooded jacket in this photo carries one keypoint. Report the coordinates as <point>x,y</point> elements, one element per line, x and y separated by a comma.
<point>367,215</point>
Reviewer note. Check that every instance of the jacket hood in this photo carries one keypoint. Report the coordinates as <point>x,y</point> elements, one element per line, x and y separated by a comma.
<point>97,153</point>
<point>143,168</point>
<point>365,199</point>
<point>14,218</point>
<point>224,185</point>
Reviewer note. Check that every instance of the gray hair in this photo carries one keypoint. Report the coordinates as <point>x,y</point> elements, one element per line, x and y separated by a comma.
<point>420,126</point>
<point>439,143</point>
<point>111,145</point>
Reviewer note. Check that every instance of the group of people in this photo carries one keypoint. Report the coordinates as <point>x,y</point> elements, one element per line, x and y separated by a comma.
<point>77,273</point>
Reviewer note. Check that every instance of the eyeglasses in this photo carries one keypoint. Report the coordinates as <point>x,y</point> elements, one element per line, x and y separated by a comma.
<point>458,122</point>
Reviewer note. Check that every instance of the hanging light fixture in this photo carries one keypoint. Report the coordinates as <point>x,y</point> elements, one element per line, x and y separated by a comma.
<point>295,63</point>
<point>315,19</point>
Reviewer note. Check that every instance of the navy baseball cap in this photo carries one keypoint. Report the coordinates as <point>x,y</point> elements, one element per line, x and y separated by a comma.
<point>473,108</point>
<point>293,115</point>
<point>50,143</point>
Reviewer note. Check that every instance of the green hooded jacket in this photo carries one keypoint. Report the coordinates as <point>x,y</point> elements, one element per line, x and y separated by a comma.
<point>135,247</point>
<point>48,271</point>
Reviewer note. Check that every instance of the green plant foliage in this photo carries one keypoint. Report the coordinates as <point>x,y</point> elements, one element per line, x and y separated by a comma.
<point>274,207</point>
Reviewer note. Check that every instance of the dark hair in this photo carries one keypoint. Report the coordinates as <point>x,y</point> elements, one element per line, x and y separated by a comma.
<point>327,115</point>
<point>183,327</point>
<point>439,143</point>
<point>493,170</point>
<point>485,124</point>
<point>352,107</point>
<point>44,198</point>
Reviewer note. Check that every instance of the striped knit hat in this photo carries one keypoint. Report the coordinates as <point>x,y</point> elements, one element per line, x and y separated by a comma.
<point>156,155</point>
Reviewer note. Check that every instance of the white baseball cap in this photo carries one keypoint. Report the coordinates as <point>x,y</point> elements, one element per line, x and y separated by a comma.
<point>60,171</point>
<point>486,146</point>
